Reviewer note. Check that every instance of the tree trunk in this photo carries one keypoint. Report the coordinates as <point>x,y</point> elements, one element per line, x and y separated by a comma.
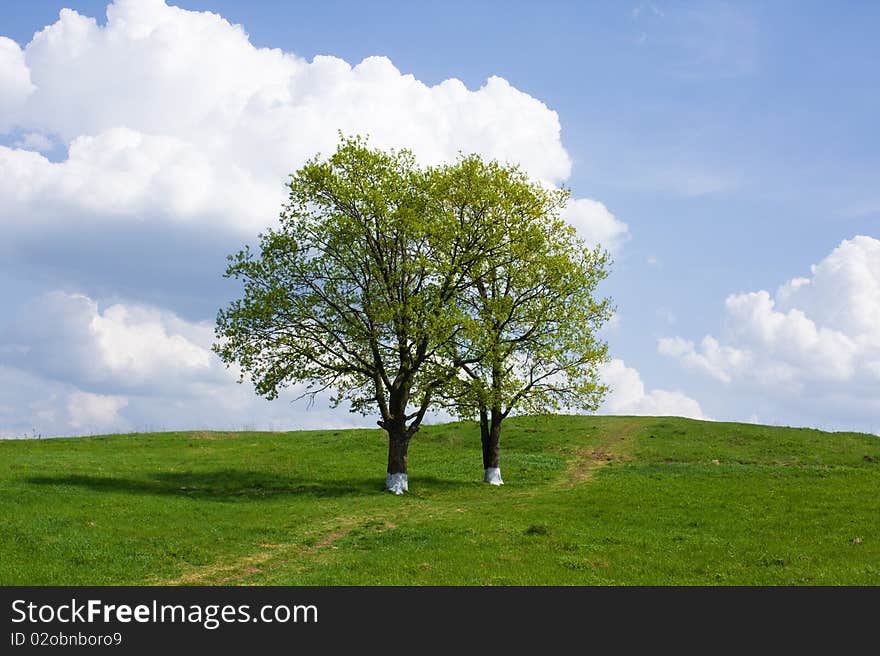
<point>397,448</point>
<point>397,480</point>
<point>490,435</point>
<point>484,437</point>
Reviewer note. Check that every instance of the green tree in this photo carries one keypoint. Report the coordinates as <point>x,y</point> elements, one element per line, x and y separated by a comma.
<point>530,317</point>
<point>357,292</point>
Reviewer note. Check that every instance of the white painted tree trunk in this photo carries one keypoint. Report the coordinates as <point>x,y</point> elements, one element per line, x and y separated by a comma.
<point>493,476</point>
<point>397,483</point>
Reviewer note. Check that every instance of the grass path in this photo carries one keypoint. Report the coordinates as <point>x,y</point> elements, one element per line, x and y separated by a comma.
<point>588,460</point>
<point>272,555</point>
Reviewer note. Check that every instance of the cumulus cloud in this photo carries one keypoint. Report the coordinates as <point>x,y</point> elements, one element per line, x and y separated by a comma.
<point>36,142</point>
<point>67,337</point>
<point>34,406</point>
<point>89,410</point>
<point>197,130</point>
<point>595,224</point>
<point>91,369</point>
<point>124,174</point>
<point>628,395</point>
<point>817,337</point>
<point>69,365</point>
<point>188,107</point>
<point>712,358</point>
<point>192,75</point>
<point>15,82</point>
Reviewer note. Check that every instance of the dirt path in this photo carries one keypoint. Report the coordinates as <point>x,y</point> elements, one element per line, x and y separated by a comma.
<point>270,555</point>
<point>588,460</point>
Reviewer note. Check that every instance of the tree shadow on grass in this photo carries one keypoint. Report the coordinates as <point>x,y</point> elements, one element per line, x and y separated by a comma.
<point>222,485</point>
<point>231,485</point>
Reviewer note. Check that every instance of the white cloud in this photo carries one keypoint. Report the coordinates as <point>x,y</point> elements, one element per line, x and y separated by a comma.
<point>94,412</point>
<point>15,81</point>
<point>193,119</point>
<point>71,366</point>
<point>124,174</point>
<point>712,359</point>
<point>817,338</point>
<point>613,322</point>
<point>175,123</point>
<point>595,224</point>
<point>629,397</point>
<point>67,337</point>
<point>38,407</point>
<point>35,141</point>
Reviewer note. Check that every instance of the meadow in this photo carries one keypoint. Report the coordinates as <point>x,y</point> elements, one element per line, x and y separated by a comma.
<point>588,500</point>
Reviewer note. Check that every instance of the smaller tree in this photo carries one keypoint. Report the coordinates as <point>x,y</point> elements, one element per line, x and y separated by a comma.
<point>531,316</point>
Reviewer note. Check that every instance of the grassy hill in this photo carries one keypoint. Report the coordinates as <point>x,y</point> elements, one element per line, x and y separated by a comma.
<point>587,500</point>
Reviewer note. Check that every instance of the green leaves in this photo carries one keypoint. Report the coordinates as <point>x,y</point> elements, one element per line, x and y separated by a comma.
<point>531,315</point>
<point>392,287</point>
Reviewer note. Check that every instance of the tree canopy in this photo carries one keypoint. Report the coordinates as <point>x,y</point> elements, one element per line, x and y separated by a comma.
<point>397,288</point>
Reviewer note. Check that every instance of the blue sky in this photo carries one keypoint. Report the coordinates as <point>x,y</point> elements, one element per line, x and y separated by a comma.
<point>738,143</point>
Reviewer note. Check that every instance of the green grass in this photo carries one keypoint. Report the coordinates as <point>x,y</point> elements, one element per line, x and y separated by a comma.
<point>587,500</point>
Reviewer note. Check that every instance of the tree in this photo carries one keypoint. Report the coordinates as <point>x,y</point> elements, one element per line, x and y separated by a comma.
<point>356,293</point>
<point>530,319</point>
